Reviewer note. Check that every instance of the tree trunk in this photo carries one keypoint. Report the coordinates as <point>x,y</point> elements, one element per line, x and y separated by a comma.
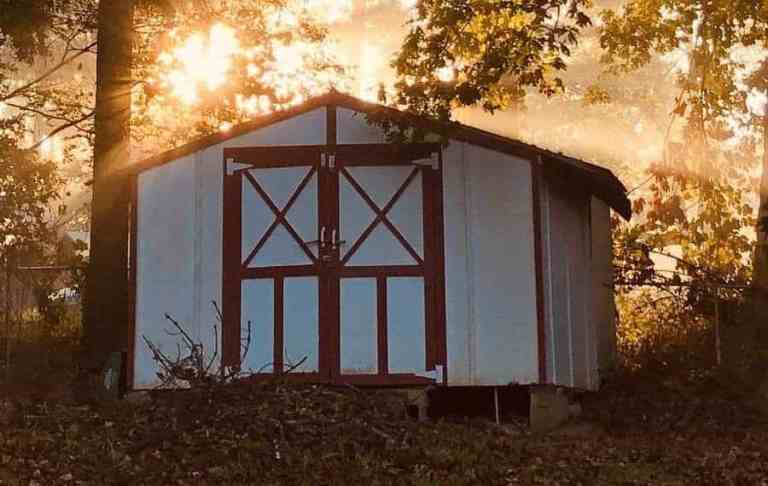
<point>760,265</point>
<point>105,319</point>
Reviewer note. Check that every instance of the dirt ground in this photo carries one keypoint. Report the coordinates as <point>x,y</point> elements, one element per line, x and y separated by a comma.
<point>635,431</point>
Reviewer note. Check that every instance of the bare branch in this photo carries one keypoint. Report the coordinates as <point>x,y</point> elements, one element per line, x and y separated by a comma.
<point>48,73</point>
<point>61,128</point>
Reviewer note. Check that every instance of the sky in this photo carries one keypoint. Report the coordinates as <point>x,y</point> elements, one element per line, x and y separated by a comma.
<point>367,34</point>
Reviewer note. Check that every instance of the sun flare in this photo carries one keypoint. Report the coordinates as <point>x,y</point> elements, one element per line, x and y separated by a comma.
<point>202,61</point>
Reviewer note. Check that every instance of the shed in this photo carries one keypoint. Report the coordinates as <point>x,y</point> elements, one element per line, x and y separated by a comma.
<point>483,261</point>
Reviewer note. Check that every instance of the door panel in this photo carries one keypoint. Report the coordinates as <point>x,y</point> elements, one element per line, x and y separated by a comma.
<point>382,227</point>
<point>354,215</point>
<point>274,210</point>
<point>279,182</point>
<point>301,324</point>
<point>280,213</point>
<point>380,183</point>
<point>406,324</point>
<point>335,261</point>
<point>368,197</point>
<point>280,249</point>
<point>407,215</point>
<point>258,297</point>
<point>358,326</point>
<point>256,219</point>
<point>380,247</point>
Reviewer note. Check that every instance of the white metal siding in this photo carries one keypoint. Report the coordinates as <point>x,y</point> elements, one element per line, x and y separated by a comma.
<point>603,313</point>
<point>557,283</point>
<point>458,296</point>
<point>351,127</point>
<point>547,286</point>
<point>503,267</point>
<point>165,272</point>
<point>490,269</point>
<point>568,283</point>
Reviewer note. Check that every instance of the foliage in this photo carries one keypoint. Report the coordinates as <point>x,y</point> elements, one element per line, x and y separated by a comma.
<point>30,25</point>
<point>286,435</point>
<point>262,56</point>
<point>53,46</point>
<point>696,207</point>
<point>485,52</point>
<point>27,187</point>
<point>658,331</point>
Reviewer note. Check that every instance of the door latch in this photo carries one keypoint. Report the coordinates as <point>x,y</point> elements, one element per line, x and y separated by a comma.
<point>335,241</point>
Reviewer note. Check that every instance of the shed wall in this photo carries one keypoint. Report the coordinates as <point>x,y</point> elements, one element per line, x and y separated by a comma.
<point>490,268</point>
<point>458,298</point>
<point>603,306</point>
<point>165,248</point>
<point>502,268</point>
<point>570,285</point>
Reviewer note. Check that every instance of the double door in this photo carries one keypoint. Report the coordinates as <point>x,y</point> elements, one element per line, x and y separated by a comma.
<point>333,262</point>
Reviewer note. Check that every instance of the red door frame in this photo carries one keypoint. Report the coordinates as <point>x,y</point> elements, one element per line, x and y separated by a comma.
<point>330,163</point>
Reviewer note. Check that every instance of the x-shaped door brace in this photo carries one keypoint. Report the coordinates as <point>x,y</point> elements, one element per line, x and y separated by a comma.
<point>381,216</point>
<point>279,216</point>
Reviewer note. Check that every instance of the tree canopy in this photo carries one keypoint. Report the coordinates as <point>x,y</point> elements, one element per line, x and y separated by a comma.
<point>485,52</point>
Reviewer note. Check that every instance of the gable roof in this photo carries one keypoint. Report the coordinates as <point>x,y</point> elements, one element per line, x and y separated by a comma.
<point>599,181</point>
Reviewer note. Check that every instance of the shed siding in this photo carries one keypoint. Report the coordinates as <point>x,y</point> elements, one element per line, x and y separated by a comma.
<point>165,249</point>
<point>602,285</point>
<point>569,286</point>
<point>180,221</point>
<point>557,284</point>
<point>457,260</point>
<point>490,270</point>
<point>306,129</point>
<point>352,128</point>
<point>553,365</point>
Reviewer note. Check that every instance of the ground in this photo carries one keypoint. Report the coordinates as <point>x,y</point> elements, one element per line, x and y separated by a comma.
<point>633,432</point>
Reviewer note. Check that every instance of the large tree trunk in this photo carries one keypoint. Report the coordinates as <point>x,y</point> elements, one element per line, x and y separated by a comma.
<point>760,265</point>
<point>105,319</point>
<point>761,250</point>
<point>758,339</point>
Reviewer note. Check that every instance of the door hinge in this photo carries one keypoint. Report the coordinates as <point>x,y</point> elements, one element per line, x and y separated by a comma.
<point>432,162</point>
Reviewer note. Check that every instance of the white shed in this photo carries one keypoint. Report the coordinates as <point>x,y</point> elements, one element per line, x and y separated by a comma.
<point>483,261</point>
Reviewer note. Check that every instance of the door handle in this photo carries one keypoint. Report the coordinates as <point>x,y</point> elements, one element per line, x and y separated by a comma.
<point>336,242</point>
<point>321,241</point>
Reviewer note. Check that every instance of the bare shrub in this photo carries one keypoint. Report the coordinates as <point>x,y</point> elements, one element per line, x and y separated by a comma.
<point>191,365</point>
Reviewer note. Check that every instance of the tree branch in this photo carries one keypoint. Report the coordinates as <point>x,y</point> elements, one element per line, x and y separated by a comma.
<point>61,128</point>
<point>48,73</point>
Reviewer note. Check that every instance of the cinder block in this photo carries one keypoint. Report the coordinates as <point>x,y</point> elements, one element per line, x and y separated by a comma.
<point>549,408</point>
